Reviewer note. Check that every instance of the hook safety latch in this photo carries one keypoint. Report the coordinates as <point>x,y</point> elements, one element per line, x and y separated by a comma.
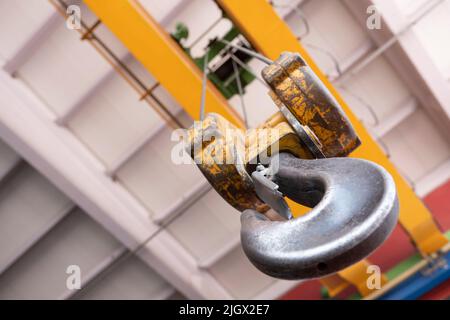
<point>267,191</point>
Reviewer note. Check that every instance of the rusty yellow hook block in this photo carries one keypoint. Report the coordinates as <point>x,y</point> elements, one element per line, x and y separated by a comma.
<point>310,125</point>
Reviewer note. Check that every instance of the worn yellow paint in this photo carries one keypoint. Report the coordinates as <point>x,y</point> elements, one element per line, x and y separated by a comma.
<point>270,35</point>
<point>221,158</point>
<point>296,87</point>
<point>161,56</point>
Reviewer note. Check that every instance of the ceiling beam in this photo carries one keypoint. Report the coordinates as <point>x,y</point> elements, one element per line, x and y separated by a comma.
<point>33,43</point>
<point>409,58</point>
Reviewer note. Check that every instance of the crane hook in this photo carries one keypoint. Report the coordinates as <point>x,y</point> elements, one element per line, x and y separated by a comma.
<point>355,208</point>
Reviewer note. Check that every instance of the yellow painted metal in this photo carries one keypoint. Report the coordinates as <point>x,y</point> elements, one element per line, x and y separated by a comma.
<point>161,56</point>
<point>334,284</point>
<point>223,153</point>
<point>297,88</point>
<point>357,275</point>
<point>270,35</point>
<point>220,156</point>
<point>277,118</point>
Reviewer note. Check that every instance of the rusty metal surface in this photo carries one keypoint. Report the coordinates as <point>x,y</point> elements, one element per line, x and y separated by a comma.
<point>355,210</point>
<point>271,140</point>
<point>310,125</point>
<point>221,161</point>
<point>224,160</point>
<point>296,86</point>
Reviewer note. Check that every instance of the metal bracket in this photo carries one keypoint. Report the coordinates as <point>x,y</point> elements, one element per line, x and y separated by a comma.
<point>306,135</point>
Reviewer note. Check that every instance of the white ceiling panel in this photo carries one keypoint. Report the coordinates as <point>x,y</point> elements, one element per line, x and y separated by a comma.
<point>8,159</point>
<point>210,218</point>
<point>19,20</point>
<point>41,272</point>
<point>152,176</point>
<point>160,9</point>
<point>63,69</point>
<point>239,276</point>
<point>416,147</point>
<point>409,6</point>
<point>378,87</point>
<point>332,30</point>
<point>112,119</point>
<point>432,30</point>
<point>29,205</point>
<point>131,279</point>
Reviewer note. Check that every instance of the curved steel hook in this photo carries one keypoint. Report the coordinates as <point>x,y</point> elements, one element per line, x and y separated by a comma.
<point>355,209</point>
